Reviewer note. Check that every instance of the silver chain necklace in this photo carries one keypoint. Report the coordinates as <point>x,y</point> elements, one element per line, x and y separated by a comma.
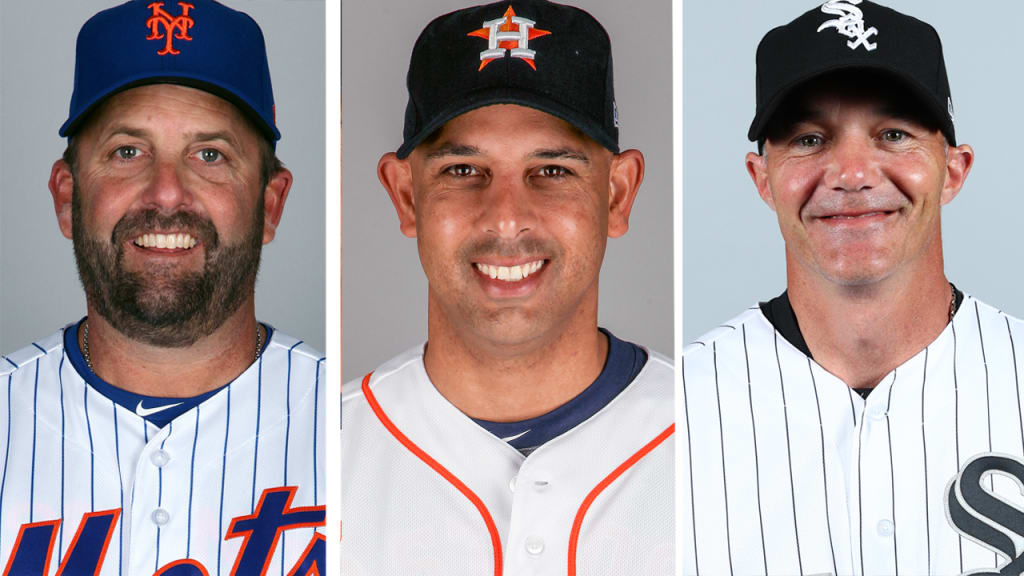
<point>88,359</point>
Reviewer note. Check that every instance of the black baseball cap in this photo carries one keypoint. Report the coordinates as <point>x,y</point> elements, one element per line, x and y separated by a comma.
<point>847,35</point>
<point>533,53</point>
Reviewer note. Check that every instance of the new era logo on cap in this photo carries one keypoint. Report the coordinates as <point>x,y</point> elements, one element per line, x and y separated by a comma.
<point>509,34</point>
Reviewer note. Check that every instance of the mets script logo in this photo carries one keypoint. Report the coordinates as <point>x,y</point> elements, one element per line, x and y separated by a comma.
<point>510,32</point>
<point>259,532</point>
<point>175,27</point>
<point>978,513</point>
<point>850,23</point>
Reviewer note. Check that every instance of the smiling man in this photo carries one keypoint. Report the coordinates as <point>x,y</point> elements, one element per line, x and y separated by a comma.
<point>867,420</point>
<point>168,431</point>
<point>520,438</point>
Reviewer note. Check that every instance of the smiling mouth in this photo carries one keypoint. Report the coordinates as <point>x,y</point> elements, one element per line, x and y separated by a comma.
<point>510,273</point>
<point>166,241</point>
<point>857,216</point>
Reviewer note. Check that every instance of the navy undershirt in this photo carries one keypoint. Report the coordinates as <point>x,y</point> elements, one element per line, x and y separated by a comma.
<point>780,314</point>
<point>624,362</point>
<point>135,402</point>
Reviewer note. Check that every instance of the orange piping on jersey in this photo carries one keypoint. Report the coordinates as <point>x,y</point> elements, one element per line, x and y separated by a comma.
<point>574,536</point>
<point>53,524</point>
<point>437,467</point>
<point>189,562</point>
<point>106,541</point>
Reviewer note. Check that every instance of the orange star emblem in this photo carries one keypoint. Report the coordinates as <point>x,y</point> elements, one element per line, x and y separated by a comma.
<point>509,33</point>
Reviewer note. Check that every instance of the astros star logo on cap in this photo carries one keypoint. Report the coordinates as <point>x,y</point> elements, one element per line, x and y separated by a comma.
<point>510,32</point>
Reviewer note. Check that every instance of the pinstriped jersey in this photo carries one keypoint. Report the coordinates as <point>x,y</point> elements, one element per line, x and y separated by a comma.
<point>427,491</point>
<point>787,471</point>
<point>233,486</point>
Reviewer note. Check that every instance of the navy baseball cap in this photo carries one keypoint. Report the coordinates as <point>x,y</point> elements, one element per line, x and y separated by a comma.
<point>547,56</point>
<point>198,43</point>
<point>849,35</point>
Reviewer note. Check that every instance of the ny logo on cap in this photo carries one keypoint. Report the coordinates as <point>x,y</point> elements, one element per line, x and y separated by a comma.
<point>174,26</point>
<point>510,32</point>
<point>850,23</point>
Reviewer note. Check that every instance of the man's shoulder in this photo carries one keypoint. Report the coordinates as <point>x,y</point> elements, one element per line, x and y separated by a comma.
<point>982,310</point>
<point>52,345</point>
<point>293,347</point>
<point>737,327</point>
<point>390,371</point>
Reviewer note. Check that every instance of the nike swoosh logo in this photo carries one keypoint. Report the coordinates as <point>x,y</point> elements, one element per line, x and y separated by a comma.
<point>511,438</point>
<point>150,411</point>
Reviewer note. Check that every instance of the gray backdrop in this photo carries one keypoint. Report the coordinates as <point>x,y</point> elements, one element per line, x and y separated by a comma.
<point>39,288</point>
<point>733,254</point>
<point>384,292</point>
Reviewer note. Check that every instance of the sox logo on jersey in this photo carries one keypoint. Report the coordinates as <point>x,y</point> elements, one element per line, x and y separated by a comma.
<point>232,487</point>
<point>795,473</point>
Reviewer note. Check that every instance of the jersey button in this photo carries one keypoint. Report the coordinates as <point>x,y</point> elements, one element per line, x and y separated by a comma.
<point>512,484</point>
<point>160,517</point>
<point>534,545</point>
<point>159,458</point>
<point>885,528</point>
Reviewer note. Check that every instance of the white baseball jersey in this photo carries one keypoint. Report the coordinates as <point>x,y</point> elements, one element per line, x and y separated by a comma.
<point>786,470</point>
<point>427,491</point>
<point>233,486</point>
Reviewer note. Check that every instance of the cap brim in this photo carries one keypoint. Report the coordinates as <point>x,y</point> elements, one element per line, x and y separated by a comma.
<point>505,95</point>
<point>920,92</point>
<point>73,123</point>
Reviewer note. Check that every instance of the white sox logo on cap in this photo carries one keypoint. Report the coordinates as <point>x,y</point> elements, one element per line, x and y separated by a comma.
<point>509,33</point>
<point>850,23</point>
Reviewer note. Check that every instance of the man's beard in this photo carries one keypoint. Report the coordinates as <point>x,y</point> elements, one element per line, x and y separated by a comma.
<point>159,305</point>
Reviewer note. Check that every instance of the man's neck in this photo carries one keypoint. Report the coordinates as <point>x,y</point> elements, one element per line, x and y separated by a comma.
<point>860,334</point>
<point>512,383</point>
<point>209,363</point>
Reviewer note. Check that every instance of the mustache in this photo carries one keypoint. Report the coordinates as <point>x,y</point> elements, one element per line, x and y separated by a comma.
<point>134,224</point>
<point>492,246</point>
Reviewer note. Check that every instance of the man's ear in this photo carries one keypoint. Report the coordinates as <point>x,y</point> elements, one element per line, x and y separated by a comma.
<point>274,196</point>
<point>62,186</point>
<point>959,160</point>
<point>758,170</point>
<point>624,177</point>
<point>396,176</point>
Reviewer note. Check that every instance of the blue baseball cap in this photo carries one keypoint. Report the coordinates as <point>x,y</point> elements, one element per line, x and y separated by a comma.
<point>199,43</point>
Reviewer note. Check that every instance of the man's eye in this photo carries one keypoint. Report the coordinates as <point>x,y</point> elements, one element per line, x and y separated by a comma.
<point>809,141</point>
<point>210,155</point>
<point>127,152</point>
<point>894,135</point>
<point>461,170</point>
<point>554,171</point>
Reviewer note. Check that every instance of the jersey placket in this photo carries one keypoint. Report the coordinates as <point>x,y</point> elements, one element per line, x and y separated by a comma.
<point>872,499</point>
<point>151,488</point>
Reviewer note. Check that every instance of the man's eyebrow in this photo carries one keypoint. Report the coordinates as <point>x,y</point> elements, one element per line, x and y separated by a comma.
<point>126,130</point>
<point>561,154</point>
<point>452,150</point>
<point>217,135</point>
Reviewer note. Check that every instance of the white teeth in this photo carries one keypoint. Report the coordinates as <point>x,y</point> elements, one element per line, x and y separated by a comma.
<point>510,273</point>
<point>172,241</point>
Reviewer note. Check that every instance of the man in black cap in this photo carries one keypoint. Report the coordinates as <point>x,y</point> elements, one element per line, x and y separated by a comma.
<point>868,419</point>
<point>520,438</point>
